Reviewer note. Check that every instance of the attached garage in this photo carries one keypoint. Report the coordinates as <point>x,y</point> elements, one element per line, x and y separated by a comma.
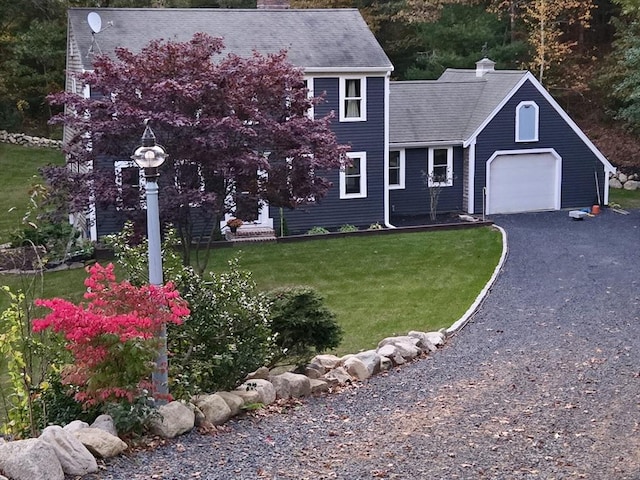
<point>523,181</point>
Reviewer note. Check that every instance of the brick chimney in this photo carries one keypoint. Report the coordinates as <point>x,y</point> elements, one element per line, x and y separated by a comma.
<point>483,66</point>
<point>273,4</point>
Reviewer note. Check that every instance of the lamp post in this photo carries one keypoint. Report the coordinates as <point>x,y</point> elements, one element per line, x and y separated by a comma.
<point>149,157</point>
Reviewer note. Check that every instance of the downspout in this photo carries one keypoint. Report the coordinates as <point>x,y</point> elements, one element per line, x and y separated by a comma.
<point>387,92</point>
<point>472,178</point>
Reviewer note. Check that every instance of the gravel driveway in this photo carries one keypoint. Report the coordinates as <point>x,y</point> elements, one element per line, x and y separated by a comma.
<point>542,383</point>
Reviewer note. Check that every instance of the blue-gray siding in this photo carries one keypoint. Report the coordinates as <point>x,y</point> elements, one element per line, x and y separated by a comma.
<point>413,200</point>
<point>578,161</point>
<point>368,136</point>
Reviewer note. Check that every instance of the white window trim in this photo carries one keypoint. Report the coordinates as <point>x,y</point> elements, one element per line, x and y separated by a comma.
<point>309,80</point>
<point>449,181</point>
<point>536,119</point>
<point>119,166</point>
<point>363,99</point>
<point>401,170</point>
<point>363,177</point>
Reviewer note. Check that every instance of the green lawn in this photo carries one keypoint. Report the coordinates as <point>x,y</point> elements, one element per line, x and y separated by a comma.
<point>19,171</point>
<point>382,285</point>
<point>628,199</point>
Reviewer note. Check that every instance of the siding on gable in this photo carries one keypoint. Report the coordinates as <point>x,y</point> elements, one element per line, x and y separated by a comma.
<point>368,136</point>
<point>578,161</point>
<point>413,200</point>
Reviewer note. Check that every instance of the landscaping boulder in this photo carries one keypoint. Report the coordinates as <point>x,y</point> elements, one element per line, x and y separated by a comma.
<point>291,385</point>
<point>234,402</point>
<point>249,397</point>
<point>215,409</point>
<point>386,364</point>
<point>264,388</point>
<point>75,425</point>
<point>105,422</point>
<point>30,459</point>
<point>313,370</point>
<point>175,418</point>
<point>371,360</point>
<point>338,376</point>
<point>392,353</point>
<point>437,338</point>
<point>405,346</point>
<point>319,386</point>
<point>73,456</point>
<point>100,443</point>
<point>356,368</point>
<point>262,373</point>
<point>328,362</point>
<point>425,342</point>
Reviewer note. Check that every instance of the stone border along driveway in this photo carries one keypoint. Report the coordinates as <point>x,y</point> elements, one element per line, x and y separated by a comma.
<point>542,383</point>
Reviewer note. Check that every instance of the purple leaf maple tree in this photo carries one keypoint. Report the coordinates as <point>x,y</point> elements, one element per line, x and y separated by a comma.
<point>231,126</point>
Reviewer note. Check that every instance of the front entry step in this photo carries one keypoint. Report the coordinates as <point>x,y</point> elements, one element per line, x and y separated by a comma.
<point>248,233</point>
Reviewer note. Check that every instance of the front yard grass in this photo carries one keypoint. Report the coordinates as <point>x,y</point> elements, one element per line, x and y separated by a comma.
<point>19,171</point>
<point>381,285</point>
<point>627,199</point>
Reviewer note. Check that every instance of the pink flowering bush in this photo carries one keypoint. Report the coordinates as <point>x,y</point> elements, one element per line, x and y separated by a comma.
<point>112,336</point>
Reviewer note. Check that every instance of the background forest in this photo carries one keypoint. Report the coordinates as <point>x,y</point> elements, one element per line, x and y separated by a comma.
<point>586,52</point>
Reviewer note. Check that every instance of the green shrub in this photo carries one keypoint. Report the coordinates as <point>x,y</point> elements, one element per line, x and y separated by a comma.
<point>317,231</point>
<point>348,228</point>
<point>226,336</point>
<point>132,418</point>
<point>375,226</point>
<point>302,325</point>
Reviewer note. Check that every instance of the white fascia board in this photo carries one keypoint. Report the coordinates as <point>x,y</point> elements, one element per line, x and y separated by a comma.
<point>333,71</point>
<point>543,91</point>
<point>441,143</point>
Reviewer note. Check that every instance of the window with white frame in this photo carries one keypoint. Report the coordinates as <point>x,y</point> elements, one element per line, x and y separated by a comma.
<point>396,169</point>
<point>353,107</point>
<point>527,120</point>
<point>353,177</point>
<point>308,84</point>
<point>440,167</point>
<point>130,184</point>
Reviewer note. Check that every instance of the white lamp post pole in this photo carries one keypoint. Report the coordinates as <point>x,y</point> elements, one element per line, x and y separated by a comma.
<point>149,157</point>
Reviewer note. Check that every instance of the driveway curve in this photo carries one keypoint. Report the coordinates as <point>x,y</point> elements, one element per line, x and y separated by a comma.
<point>542,383</point>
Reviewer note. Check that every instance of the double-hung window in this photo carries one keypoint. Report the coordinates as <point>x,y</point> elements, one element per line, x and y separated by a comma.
<point>129,182</point>
<point>353,177</point>
<point>396,169</point>
<point>527,120</point>
<point>440,167</point>
<point>353,107</point>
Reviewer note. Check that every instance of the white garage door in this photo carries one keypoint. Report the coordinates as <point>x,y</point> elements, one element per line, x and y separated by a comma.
<point>523,182</point>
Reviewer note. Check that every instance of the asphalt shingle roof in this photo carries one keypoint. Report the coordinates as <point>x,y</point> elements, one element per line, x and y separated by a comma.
<point>449,109</point>
<point>315,39</point>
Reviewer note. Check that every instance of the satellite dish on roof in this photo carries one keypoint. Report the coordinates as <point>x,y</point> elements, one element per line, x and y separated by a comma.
<point>95,22</point>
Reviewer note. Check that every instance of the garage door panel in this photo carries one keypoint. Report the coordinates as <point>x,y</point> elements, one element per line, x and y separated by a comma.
<point>522,183</point>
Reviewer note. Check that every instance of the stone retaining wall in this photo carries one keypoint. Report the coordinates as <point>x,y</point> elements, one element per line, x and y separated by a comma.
<point>28,140</point>
<point>622,180</point>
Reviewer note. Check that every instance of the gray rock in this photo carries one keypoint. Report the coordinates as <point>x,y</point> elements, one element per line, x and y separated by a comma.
<point>405,346</point>
<point>356,368</point>
<point>105,422</point>
<point>391,352</point>
<point>425,341</point>
<point>437,338</point>
<point>175,418</point>
<point>30,459</point>
<point>615,183</point>
<point>319,386</point>
<point>291,385</point>
<point>314,370</point>
<point>100,443</point>
<point>263,387</point>
<point>386,364</point>
<point>329,362</point>
<point>234,402</point>
<point>338,376</point>
<point>75,425</point>
<point>631,185</point>
<point>215,409</point>
<point>262,373</point>
<point>622,177</point>
<point>73,456</point>
<point>249,397</point>
<point>371,359</point>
